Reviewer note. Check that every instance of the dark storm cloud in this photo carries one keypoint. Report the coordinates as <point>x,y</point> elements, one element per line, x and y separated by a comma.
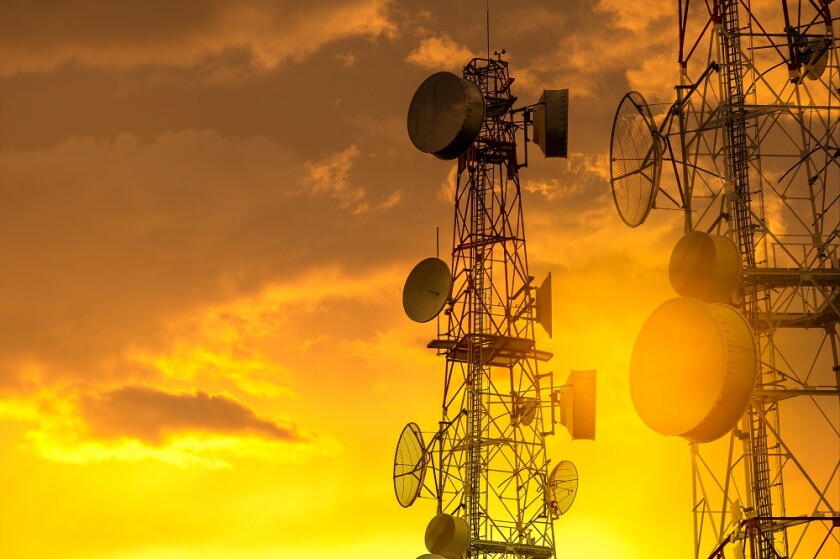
<point>151,415</point>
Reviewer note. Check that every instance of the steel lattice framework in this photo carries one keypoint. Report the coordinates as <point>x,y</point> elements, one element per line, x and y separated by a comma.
<point>491,464</point>
<point>754,142</point>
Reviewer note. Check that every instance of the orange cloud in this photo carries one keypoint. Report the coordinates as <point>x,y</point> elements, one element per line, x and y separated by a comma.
<point>125,35</point>
<point>440,53</point>
<point>332,175</point>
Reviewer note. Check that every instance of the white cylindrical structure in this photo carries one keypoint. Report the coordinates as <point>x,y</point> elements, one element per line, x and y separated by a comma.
<point>447,536</point>
<point>693,369</point>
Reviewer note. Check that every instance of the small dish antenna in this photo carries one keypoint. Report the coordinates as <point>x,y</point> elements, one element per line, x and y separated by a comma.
<point>635,160</point>
<point>427,289</point>
<point>551,123</point>
<point>445,115</point>
<point>524,410</point>
<point>410,462</point>
<point>813,53</point>
<point>561,488</point>
<point>543,305</point>
<point>577,405</point>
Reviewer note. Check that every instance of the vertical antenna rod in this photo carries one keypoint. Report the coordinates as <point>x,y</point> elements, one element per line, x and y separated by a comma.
<point>488,29</point>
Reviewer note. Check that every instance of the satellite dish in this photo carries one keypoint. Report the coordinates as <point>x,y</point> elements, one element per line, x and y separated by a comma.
<point>524,410</point>
<point>635,160</point>
<point>430,556</point>
<point>704,266</point>
<point>447,536</point>
<point>551,123</point>
<point>445,115</point>
<point>562,488</point>
<point>427,289</point>
<point>577,405</point>
<point>543,305</point>
<point>693,369</point>
<point>814,55</point>
<point>410,461</point>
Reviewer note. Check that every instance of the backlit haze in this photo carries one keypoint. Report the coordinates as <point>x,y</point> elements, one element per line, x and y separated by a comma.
<point>207,213</point>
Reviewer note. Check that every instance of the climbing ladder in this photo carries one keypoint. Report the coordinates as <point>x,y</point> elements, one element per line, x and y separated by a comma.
<point>738,170</point>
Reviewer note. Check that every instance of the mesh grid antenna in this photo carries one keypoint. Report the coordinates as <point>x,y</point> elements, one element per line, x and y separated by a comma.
<point>635,160</point>
<point>410,461</point>
<point>562,488</point>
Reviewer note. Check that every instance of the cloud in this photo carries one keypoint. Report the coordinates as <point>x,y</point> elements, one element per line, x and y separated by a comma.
<point>105,238</point>
<point>151,416</point>
<point>331,175</point>
<point>131,423</point>
<point>38,37</point>
<point>580,176</point>
<point>106,242</point>
<point>348,60</point>
<point>448,187</point>
<point>597,51</point>
<point>636,17</point>
<point>440,53</point>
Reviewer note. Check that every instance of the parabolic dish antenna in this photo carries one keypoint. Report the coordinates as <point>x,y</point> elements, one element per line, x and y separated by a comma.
<point>410,461</point>
<point>814,54</point>
<point>705,267</point>
<point>447,536</point>
<point>562,488</point>
<point>445,115</point>
<point>551,123</point>
<point>635,160</point>
<point>524,410</point>
<point>577,405</point>
<point>427,289</point>
<point>693,369</point>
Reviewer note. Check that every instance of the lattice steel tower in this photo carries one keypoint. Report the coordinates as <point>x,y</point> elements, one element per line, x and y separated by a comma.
<point>754,140</point>
<point>495,494</point>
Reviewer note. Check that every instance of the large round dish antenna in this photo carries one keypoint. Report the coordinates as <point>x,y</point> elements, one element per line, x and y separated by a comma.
<point>410,461</point>
<point>693,369</point>
<point>427,289</point>
<point>445,115</point>
<point>704,266</point>
<point>635,160</point>
<point>562,488</point>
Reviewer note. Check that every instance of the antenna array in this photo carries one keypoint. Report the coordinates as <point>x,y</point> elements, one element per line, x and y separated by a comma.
<point>489,468</point>
<point>754,141</point>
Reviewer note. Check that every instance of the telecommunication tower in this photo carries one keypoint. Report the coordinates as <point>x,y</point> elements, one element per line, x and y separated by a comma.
<point>486,464</point>
<point>753,138</point>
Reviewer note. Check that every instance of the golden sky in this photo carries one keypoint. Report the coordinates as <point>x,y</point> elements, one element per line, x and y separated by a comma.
<point>207,213</point>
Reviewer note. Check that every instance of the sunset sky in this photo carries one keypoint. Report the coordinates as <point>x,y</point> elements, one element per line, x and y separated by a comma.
<point>207,213</point>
